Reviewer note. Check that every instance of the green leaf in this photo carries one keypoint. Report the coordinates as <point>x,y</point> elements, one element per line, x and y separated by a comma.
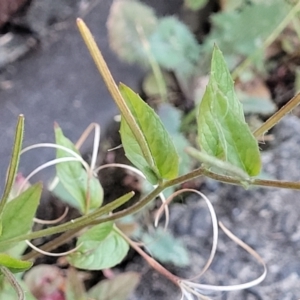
<point>174,47</point>
<point>134,154</point>
<point>151,85</point>
<point>230,5</point>
<point>130,22</point>
<point>13,264</point>
<point>8,292</point>
<point>165,158</point>
<point>14,163</point>
<point>222,130</point>
<point>18,214</point>
<point>101,248</point>
<point>195,4</point>
<point>171,118</point>
<point>118,288</point>
<point>219,166</point>
<point>17,250</point>
<point>243,31</point>
<point>60,192</point>
<point>87,192</point>
<point>258,105</point>
<point>163,246</point>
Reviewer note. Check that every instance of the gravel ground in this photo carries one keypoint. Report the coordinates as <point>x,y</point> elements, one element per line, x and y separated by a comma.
<point>266,219</point>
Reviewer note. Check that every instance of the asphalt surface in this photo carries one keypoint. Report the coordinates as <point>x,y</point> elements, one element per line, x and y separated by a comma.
<point>59,82</point>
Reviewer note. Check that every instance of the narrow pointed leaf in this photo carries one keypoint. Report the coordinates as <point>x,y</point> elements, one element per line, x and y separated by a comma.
<point>18,214</point>
<point>101,248</point>
<point>14,163</point>
<point>174,47</point>
<point>165,161</point>
<point>75,179</point>
<point>222,130</point>
<point>13,264</point>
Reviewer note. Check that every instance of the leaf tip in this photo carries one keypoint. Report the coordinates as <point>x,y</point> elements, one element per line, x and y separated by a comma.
<point>216,50</point>
<point>122,86</point>
<point>39,184</point>
<point>79,22</point>
<point>56,126</point>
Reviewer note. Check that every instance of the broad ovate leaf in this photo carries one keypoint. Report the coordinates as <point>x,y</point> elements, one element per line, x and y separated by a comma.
<point>129,24</point>
<point>18,214</point>
<point>101,248</point>
<point>13,264</point>
<point>118,288</point>
<point>164,247</point>
<point>165,161</point>
<point>174,47</point>
<point>83,187</point>
<point>243,31</point>
<point>222,130</point>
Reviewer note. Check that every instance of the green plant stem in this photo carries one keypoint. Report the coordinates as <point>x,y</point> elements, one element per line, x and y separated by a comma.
<point>220,164</point>
<point>53,244</point>
<point>184,178</point>
<point>159,78</point>
<point>70,234</point>
<point>92,219</point>
<point>227,179</point>
<point>273,120</point>
<point>113,89</point>
<point>196,173</point>
<point>14,283</point>
<point>14,162</point>
<point>272,37</point>
<point>135,207</point>
<point>73,224</point>
<point>256,182</point>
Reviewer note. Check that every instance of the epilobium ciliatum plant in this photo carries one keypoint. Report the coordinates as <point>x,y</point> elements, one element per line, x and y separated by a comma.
<point>227,149</point>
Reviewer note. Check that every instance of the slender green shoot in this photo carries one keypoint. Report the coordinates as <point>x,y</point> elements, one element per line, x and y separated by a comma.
<point>14,162</point>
